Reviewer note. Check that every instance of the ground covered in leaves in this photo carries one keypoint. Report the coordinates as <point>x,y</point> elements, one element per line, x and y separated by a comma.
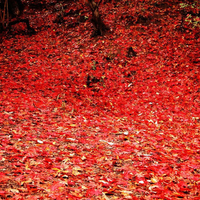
<point>109,117</point>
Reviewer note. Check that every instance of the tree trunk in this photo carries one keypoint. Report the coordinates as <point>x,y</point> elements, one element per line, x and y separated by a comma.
<point>12,9</point>
<point>99,26</point>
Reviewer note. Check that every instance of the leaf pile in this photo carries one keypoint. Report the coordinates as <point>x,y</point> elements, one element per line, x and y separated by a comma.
<point>111,117</point>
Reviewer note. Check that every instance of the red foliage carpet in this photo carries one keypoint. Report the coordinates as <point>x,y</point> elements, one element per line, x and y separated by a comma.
<point>85,117</point>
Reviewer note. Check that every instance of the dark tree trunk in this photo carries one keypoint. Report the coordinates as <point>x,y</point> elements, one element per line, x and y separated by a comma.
<point>13,9</point>
<point>99,26</point>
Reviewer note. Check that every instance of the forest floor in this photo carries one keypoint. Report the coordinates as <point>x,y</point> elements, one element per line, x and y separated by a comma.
<point>109,117</point>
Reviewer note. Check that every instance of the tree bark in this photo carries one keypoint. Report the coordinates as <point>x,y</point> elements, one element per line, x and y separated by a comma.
<point>12,9</point>
<point>99,26</point>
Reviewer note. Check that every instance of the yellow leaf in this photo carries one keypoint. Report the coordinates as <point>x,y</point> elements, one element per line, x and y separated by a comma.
<point>76,171</point>
<point>56,169</point>
<point>83,187</point>
<point>83,158</point>
<point>154,180</point>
